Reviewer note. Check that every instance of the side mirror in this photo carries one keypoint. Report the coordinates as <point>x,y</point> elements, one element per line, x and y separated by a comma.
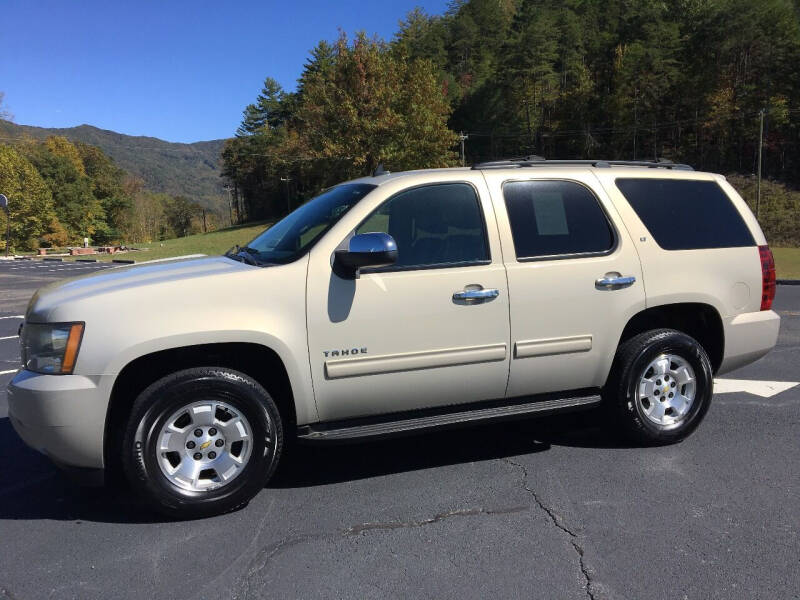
<point>365,250</point>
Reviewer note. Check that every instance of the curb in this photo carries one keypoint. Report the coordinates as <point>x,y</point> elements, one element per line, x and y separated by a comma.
<point>787,281</point>
<point>85,260</point>
<point>53,259</point>
<point>123,262</point>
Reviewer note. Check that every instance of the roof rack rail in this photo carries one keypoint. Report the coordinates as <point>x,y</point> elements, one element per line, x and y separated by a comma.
<point>538,161</point>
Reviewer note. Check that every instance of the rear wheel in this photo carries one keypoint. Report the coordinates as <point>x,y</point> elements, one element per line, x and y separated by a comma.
<point>660,387</point>
<point>201,442</point>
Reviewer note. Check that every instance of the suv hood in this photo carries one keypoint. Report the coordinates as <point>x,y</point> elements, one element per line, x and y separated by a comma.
<point>127,278</point>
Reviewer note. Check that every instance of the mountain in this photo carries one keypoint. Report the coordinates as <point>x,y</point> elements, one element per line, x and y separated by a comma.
<point>181,169</point>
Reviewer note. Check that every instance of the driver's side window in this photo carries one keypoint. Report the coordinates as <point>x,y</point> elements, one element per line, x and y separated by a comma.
<point>433,225</point>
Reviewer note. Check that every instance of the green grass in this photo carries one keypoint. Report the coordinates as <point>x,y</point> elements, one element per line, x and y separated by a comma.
<point>787,262</point>
<point>216,242</point>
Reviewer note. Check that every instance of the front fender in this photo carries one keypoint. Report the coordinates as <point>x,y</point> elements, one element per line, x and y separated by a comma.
<point>264,306</point>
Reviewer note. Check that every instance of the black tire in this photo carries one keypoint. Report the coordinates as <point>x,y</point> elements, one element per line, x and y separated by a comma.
<point>155,406</point>
<point>632,358</point>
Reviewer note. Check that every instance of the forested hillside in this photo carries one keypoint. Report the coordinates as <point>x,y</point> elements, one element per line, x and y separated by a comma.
<point>191,170</point>
<point>61,192</point>
<point>683,79</point>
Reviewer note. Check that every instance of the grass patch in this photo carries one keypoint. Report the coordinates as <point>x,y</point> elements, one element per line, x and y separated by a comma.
<point>216,242</point>
<point>787,262</point>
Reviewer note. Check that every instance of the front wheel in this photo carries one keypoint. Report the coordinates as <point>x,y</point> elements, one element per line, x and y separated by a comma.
<point>202,442</point>
<point>660,387</point>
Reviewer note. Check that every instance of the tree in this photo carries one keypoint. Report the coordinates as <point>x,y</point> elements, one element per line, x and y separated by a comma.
<point>77,208</point>
<point>148,222</point>
<point>30,202</point>
<point>61,147</point>
<point>422,36</point>
<point>269,111</point>
<point>376,106</point>
<point>4,113</point>
<point>109,188</point>
<point>319,63</point>
<point>181,214</point>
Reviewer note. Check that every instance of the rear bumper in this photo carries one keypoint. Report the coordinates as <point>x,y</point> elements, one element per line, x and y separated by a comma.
<point>62,416</point>
<point>748,337</point>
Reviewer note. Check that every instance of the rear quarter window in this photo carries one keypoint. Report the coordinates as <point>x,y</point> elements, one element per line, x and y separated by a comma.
<point>686,214</point>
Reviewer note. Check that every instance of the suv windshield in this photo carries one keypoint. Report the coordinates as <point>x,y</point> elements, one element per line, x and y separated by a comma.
<point>296,233</point>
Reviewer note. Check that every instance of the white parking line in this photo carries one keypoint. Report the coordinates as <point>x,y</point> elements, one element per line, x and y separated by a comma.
<point>9,337</point>
<point>8,372</point>
<point>14,317</point>
<point>765,389</point>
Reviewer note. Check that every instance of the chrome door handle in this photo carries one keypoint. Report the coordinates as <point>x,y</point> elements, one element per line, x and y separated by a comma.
<point>476,294</point>
<point>614,282</point>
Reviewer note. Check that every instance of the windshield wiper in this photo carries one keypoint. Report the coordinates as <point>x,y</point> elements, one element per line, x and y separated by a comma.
<point>244,255</point>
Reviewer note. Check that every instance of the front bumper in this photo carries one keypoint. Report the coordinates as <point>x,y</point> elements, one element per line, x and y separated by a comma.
<point>748,337</point>
<point>62,416</point>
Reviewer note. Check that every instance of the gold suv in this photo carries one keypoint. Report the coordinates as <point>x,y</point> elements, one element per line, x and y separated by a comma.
<point>400,303</point>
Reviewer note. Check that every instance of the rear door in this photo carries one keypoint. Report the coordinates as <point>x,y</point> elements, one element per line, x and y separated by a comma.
<point>574,278</point>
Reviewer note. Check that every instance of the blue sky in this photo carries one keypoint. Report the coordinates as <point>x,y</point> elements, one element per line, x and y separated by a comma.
<point>182,71</point>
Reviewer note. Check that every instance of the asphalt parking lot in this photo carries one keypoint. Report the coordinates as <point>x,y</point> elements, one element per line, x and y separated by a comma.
<point>549,508</point>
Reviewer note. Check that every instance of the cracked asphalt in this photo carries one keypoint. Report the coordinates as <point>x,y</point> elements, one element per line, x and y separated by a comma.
<point>549,508</point>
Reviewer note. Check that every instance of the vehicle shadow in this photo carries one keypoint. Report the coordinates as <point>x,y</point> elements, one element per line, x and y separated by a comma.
<point>308,465</point>
<point>32,488</point>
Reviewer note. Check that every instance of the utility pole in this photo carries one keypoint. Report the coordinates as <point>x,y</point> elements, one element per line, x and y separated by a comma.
<point>230,204</point>
<point>655,141</point>
<point>635,118</point>
<point>287,179</point>
<point>760,148</point>
<point>463,137</point>
<point>4,206</point>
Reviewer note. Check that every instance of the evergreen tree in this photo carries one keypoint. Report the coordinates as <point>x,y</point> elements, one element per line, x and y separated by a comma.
<point>268,112</point>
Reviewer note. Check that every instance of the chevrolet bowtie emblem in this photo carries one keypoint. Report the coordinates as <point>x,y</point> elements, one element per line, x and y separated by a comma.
<point>205,445</point>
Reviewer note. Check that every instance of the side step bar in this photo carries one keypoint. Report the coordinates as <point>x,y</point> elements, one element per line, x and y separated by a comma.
<point>392,425</point>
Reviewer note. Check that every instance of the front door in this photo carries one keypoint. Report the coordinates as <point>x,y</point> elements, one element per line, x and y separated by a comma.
<point>401,338</point>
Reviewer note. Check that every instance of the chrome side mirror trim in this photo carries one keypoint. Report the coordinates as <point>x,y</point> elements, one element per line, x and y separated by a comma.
<point>365,250</point>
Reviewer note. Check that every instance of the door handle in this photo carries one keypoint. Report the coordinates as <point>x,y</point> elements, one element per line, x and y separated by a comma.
<point>476,294</point>
<point>614,283</point>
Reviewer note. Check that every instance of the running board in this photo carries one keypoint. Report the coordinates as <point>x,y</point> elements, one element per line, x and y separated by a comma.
<point>392,425</point>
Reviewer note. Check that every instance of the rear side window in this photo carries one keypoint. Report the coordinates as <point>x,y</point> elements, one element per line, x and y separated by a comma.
<point>685,214</point>
<point>555,218</point>
<point>433,225</point>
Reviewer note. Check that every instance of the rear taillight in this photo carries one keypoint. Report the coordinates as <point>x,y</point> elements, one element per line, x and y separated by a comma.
<point>767,277</point>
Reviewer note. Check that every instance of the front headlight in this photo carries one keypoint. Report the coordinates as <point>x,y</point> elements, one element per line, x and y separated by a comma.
<point>51,348</point>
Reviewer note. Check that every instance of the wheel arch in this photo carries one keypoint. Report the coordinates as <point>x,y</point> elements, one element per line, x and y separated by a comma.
<point>260,362</point>
<point>701,321</point>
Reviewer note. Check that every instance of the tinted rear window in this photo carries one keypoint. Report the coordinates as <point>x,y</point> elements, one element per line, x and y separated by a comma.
<point>555,218</point>
<point>686,215</point>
